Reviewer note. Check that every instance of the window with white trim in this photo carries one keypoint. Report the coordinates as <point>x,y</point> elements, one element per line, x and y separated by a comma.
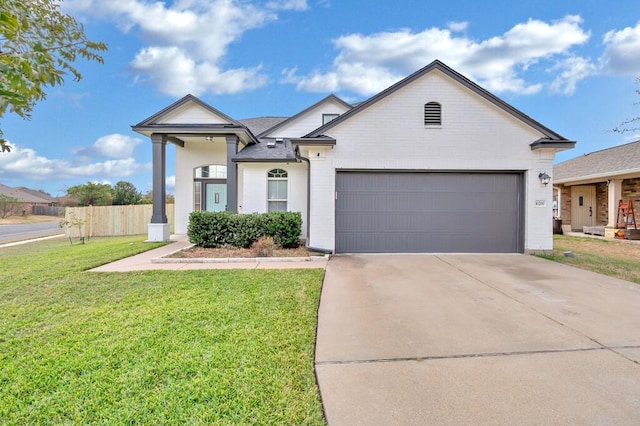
<point>277,190</point>
<point>328,117</point>
<point>432,114</point>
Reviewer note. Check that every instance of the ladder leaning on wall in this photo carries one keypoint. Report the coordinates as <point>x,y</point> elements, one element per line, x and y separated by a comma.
<point>626,218</point>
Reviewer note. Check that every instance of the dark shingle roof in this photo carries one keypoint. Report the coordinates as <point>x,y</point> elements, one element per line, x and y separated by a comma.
<point>282,151</point>
<point>260,124</point>
<point>607,162</point>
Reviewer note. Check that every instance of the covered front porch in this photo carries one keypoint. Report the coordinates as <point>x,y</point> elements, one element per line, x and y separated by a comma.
<point>592,207</point>
<point>206,142</point>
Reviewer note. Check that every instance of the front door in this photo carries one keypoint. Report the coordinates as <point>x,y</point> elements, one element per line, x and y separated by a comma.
<point>215,197</point>
<point>583,206</point>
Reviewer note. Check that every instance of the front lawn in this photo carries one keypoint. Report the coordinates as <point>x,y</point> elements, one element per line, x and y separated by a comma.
<point>616,258</point>
<point>153,347</point>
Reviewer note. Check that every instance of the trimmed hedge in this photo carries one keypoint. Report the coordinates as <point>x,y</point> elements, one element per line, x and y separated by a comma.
<point>220,229</point>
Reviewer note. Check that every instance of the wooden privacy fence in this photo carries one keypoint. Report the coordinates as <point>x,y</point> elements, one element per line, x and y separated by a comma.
<point>47,210</point>
<point>107,221</point>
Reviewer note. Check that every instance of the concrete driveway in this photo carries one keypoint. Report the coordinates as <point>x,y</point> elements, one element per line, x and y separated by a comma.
<point>476,339</point>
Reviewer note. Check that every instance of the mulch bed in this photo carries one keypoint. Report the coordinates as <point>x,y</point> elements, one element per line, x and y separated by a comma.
<point>232,252</point>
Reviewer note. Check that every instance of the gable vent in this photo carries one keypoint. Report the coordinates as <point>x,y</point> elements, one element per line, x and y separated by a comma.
<point>432,114</point>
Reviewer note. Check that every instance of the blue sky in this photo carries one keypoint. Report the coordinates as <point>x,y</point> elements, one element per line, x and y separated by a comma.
<point>571,65</point>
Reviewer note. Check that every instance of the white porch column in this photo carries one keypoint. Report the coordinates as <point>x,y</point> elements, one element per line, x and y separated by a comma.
<point>614,190</point>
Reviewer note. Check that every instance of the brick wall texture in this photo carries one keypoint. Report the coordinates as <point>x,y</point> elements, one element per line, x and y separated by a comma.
<point>565,204</point>
<point>602,201</point>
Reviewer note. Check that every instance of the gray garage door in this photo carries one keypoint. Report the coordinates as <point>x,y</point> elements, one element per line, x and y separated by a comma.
<point>397,212</point>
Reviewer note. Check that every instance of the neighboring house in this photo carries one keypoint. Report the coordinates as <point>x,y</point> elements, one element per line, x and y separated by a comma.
<point>27,198</point>
<point>589,187</point>
<point>434,163</point>
<point>46,198</point>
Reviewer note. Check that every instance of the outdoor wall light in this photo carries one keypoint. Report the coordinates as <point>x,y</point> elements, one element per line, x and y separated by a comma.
<point>209,138</point>
<point>544,178</point>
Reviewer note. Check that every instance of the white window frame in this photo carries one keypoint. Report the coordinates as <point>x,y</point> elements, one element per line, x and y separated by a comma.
<point>326,118</point>
<point>284,176</point>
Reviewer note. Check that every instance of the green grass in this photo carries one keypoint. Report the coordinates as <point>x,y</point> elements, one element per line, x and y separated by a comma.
<point>153,347</point>
<point>617,259</point>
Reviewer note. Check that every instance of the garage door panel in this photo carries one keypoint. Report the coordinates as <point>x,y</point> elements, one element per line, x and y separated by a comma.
<point>428,212</point>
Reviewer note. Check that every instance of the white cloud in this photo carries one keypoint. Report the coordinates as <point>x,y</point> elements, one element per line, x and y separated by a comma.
<point>113,146</point>
<point>188,76</point>
<point>287,4</point>
<point>621,51</point>
<point>573,70</point>
<point>187,40</point>
<point>367,64</point>
<point>457,26</point>
<point>21,162</point>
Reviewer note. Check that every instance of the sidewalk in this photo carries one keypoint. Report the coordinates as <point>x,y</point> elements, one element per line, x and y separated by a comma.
<point>149,260</point>
<point>17,243</point>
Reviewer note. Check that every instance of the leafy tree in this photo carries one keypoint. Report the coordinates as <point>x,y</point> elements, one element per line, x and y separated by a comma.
<point>8,206</point>
<point>125,193</point>
<point>630,124</point>
<point>38,45</point>
<point>91,194</point>
<point>147,198</point>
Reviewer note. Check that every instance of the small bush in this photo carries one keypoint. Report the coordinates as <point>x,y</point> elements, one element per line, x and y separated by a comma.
<point>264,247</point>
<point>8,206</point>
<point>220,229</point>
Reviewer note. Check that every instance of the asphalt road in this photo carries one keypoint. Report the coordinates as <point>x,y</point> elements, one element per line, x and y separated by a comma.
<point>29,230</point>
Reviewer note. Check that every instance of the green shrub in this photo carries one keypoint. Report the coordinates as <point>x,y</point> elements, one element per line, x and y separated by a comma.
<point>284,227</point>
<point>219,229</point>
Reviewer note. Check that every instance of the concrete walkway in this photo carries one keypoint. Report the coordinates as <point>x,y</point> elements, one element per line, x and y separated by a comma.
<point>149,261</point>
<point>476,340</point>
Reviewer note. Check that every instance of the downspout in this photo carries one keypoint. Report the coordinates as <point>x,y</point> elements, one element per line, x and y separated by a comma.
<point>306,160</point>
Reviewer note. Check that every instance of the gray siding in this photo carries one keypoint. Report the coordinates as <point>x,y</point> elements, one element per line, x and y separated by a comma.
<point>387,212</point>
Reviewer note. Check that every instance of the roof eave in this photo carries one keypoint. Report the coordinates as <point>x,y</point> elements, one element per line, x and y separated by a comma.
<point>197,130</point>
<point>599,177</point>
<point>264,160</point>
<point>558,145</point>
<point>319,141</point>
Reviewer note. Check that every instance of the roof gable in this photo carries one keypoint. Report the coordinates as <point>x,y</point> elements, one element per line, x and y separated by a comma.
<point>190,116</point>
<point>189,110</point>
<point>340,107</point>
<point>445,70</point>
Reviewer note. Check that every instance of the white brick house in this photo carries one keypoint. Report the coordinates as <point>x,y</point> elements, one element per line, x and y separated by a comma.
<point>434,163</point>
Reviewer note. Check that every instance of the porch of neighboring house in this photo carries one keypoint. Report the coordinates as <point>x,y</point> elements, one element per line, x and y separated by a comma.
<point>592,208</point>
